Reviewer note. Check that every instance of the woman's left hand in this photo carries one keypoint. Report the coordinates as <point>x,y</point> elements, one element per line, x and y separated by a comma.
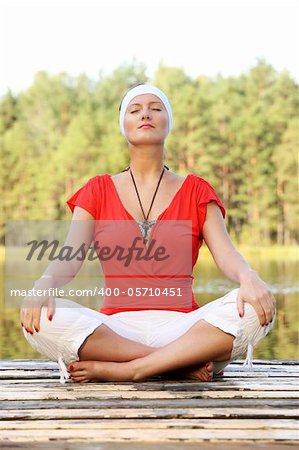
<point>255,291</point>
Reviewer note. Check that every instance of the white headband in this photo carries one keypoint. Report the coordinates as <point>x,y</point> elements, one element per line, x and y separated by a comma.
<point>139,90</point>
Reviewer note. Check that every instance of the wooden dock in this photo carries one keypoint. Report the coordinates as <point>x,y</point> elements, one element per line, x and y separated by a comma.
<point>244,408</point>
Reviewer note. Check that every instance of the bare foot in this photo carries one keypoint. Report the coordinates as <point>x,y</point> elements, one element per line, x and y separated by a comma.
<point>201,373</point>
<point>85,371</point>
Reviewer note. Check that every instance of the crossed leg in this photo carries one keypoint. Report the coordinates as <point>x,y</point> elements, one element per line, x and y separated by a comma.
<point>106,356</point>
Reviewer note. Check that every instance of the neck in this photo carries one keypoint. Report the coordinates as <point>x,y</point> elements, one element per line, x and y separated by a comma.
<point>147,163</point>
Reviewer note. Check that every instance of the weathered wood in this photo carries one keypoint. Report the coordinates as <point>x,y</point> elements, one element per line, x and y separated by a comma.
<point>89,402</point>
<point>50,394</point>
<point>152,435</point>
<point>153,414</point>
<point>224,385</point>
<point>288,383</point>
<point>141,424</point>
<point>133,445</point>
<point>259,405</point>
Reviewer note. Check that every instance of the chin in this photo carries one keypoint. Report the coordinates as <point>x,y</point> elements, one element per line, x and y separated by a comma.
<point>144,141</point>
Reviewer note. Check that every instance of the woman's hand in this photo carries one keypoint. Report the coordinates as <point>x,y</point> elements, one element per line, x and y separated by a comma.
<point>252,290</point>
<point>31,309</point>
<point>255,291</point>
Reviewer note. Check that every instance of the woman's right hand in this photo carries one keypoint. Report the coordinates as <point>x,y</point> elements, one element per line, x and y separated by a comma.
<point>31,311</point>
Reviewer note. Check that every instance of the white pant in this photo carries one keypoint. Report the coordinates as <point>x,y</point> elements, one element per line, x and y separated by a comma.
<point>61,338</point>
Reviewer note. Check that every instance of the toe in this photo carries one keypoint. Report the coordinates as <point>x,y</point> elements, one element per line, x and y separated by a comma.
<point>77,366</point>
<point>80,379</point>
<point>210,367</point>
<point>71,366</point>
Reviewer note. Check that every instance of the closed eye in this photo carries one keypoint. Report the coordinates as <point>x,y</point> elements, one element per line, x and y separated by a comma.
<point>154,109</point>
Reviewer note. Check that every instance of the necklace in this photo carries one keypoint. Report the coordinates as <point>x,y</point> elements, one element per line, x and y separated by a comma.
<point>146,224</point>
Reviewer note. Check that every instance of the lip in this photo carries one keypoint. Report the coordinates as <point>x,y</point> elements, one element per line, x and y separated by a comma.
<point>146,125</point>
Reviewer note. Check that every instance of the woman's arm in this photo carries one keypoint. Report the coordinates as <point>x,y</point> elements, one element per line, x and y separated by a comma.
<point>253,289</point>
<point>80,235</point>
<point>58,273</point>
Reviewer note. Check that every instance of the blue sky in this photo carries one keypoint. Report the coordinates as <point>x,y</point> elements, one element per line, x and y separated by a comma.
<point>93,36</point>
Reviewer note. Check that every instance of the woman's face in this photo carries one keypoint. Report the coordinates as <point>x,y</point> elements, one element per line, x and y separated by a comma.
<point>146,120</point>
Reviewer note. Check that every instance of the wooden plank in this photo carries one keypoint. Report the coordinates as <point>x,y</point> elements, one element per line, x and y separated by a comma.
<point>245,405</point>
<point>257,374</point>
<point>62,395</point>
<point>7,374</point>
<point>141,424</point>
<point>133,445</point>
<point>223,385</point>
<point>152,435</point>
<point>152,403</point>
<point>287,383</point>
<point>152,413</point>
<point>289,369</point>
<point>269,361</point>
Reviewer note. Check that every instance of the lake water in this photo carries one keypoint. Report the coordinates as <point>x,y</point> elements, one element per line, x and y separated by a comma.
<point>209,284</point>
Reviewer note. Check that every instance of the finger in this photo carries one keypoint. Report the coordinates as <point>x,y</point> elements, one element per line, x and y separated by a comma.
<point>259,311</point>
<point>240,304</point>
<point>27,316</point>
<point>36,309</point>
<point>271,306</point>
<point>23,310</point>
<point>267,306</point>
<point>268,309</point>
<point>36,317</point>
<point>51,308</point>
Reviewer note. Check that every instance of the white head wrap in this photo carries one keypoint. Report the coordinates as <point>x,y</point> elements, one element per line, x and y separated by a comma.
<point>139,90</point>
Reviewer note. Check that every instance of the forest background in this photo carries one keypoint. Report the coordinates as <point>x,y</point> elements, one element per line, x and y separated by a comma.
<point>240,133</point>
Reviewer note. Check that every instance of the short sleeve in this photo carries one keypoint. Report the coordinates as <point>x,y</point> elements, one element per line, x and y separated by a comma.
<point>84,198</point>
<point>206,194</point>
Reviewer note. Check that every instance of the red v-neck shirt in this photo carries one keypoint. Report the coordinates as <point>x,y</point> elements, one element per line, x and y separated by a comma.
<point>100,198</point>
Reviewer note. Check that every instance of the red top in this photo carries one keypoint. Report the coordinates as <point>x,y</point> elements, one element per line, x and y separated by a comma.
<point>100,198</point>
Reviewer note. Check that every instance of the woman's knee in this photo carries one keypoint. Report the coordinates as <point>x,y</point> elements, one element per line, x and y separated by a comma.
<point>64,316</point>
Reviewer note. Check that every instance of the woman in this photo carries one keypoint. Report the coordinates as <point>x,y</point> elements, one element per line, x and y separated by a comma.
<point>131,343</point>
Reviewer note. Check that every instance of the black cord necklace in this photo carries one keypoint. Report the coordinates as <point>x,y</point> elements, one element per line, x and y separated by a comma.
<point>145,225</point>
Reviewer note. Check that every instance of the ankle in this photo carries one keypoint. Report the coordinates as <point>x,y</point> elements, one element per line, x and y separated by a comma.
<point>117,371</point>
<point>136,370</point>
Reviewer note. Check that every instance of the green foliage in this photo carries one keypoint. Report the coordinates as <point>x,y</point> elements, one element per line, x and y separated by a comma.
<point>239,133</point>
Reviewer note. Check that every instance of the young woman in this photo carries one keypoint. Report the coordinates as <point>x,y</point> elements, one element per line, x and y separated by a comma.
<point>128,342</point>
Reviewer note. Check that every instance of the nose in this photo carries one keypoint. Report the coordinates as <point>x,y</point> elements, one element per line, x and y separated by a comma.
<point>145,114</point>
